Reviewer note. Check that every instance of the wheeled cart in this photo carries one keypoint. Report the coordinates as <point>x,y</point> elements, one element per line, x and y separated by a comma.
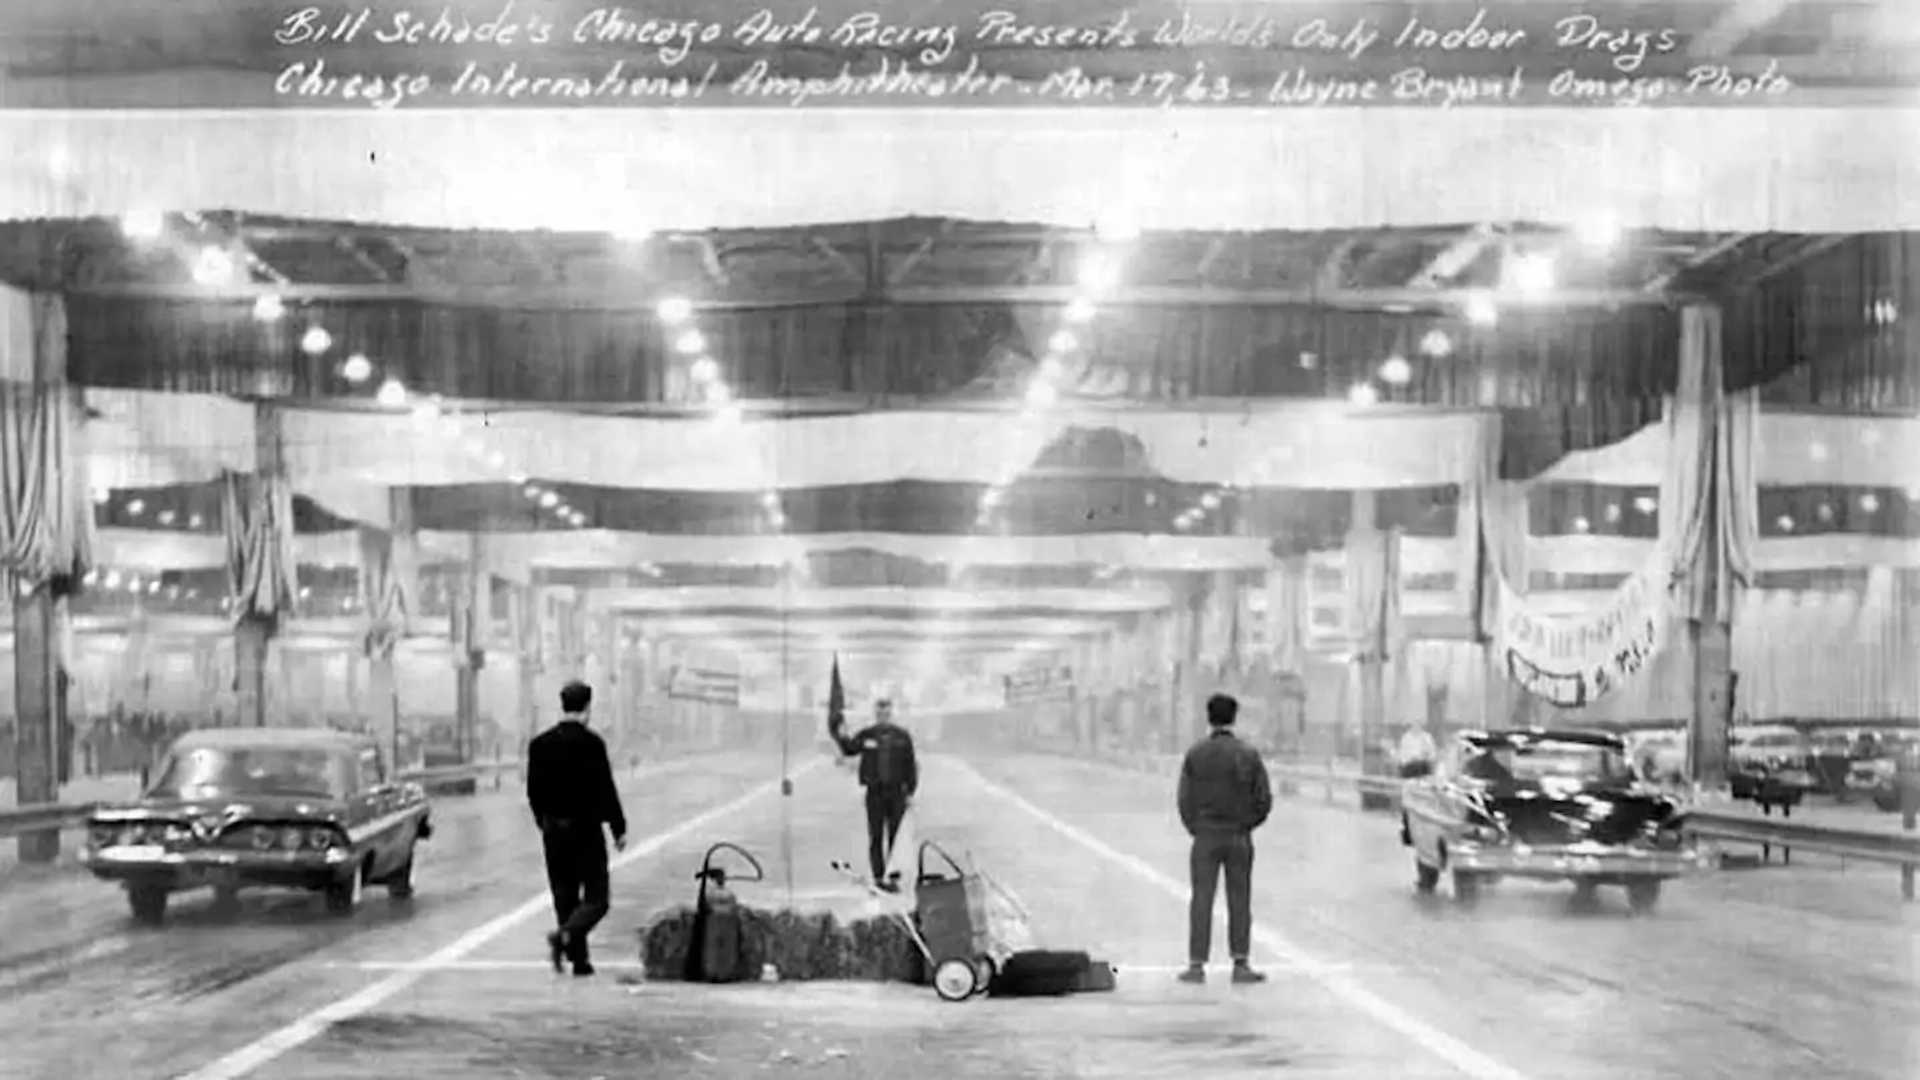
<point>964,923</point>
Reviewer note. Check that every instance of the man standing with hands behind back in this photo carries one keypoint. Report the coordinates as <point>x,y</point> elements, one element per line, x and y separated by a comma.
<point>570,788</point>
<point>1224,796</point>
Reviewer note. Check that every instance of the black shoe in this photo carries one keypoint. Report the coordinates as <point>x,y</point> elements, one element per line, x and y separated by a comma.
<point>1195,973</point>
<point>1244,974</point>
<point>556,949</point>
<point>582,969</point>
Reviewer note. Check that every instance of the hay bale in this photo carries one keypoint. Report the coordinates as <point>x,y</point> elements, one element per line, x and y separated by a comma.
<point>802,946</point>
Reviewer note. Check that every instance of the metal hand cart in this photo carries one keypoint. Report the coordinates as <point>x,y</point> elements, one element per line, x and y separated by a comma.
<point>965,924</point>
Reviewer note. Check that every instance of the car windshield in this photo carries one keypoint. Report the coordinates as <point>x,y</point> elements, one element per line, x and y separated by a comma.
<point>1545,760</point>
<point>217,771</point>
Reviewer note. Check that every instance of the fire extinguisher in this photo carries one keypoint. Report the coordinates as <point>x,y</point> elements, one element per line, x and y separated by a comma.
<point>715,952</point>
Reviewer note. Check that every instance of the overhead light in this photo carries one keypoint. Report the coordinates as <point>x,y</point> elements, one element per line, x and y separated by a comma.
<point>1210,501</point>
<point>1041,394</point>
<point>316,341</point>
<point>991,498</point>
<point>705,370</point>
<point>549,500</point>
<point>1600,230</point>
<point>1183,523</point>
<point>674,310</point>
<point>268,307</point>
<point>777,519</point>
<point>358,369</point>
<point>1646,504</point>
<point>1063,341</point>
<point>1531,274</point>
<point>691,342</point>
<point>1116,228</point>
<point>1824,512</point>
<point>1363,394</point>
<point>215,266</point>
<point>1870,502</point>
<point>195,521</point>
<point>392,394</point>
<point>1480,308</point>
<point>770,500</point>
<point>1436,344</point>
<point>137,507</point>
<point>1079,310</point>
<point>1395,371</point>
<point>530,491</point>
<point>1099,271</point>
<point>166,517</point>
<point>1785,523</point>
<point>1613,512</point>
<point>143,225</point>
<point>1581,524</point>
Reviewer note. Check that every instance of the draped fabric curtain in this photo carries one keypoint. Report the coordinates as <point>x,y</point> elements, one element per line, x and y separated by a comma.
<point>46,515</point>
<point>383,592</point>
<point>1374,593</point>
<point>261,561</point>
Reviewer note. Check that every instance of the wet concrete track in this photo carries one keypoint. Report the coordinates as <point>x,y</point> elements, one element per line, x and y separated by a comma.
<point>1769,973</point>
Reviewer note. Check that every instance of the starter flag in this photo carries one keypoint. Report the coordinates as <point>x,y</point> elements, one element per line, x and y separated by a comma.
<point>836,702</point>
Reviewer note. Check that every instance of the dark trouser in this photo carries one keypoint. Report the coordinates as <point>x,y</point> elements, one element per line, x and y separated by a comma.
<point>1212,853</point>
<point>886,808</point>
<point>577,874</point>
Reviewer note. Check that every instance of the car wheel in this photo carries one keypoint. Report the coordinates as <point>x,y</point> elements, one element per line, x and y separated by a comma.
<point>1643,896</point>
<point>1466,886</point>
<point>1425,878</point>
<point>149,903</point>
<point>343,895</point>
<point>400,882</point>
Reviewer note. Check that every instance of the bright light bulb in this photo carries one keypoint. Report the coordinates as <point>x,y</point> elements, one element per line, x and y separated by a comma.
<point>214,266</point>
<point>674,310</point>
<point>692,342</point>
<point>1363,394</point>
<point>1581,524</point>
<point>144,225</point>
<point>137,507</point>
<point>1079,310</point>
<point>1041,394</point>
<point>392,394</point>
<point>1210,501</point>
<point>1481,310</point>
<point>166,517</point>
<point>1063,341</point>
<point>1531,274</point>
<point>705,370</point>
<point>1785,523</point>
<point>1613,512</point>
<point>770,500</point>
<point>268,307</point>
<point>357,369</point>
<point>1099,271</point>
<point>991,498</point>
<point>1436,344</point>
<point>549,500</point>
<point>316,341</point>
<point>1870,503</point>
<point>1646,504</point>
<point>777,519</point>
<point>1395,371</point>
<point>1600,230</point>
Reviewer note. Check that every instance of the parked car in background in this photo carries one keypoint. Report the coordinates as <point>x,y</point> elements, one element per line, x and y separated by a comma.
<point>1769,763</point>
<point>239,808</point>
<point>1660,756</point>
<point>1551,805</point>
<point>1893,758</point>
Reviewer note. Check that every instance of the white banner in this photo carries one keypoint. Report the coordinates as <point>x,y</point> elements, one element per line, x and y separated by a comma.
<point>1575,660</point>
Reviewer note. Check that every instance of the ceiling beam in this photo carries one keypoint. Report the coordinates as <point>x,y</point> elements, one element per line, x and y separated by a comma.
<point>586,299</point>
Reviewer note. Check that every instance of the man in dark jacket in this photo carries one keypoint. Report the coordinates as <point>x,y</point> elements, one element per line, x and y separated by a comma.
<point>1224,796</point>
<point>890,771</point>
<point>570,788</point>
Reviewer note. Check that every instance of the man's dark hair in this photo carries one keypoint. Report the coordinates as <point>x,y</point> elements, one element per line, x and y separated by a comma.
<point>1222,709</point>
<point>575,697</point>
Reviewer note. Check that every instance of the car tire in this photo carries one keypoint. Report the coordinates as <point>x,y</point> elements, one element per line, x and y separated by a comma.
<point>1643,896</point>
<point>343,895</point>
<point>149,903</point>
<point>400,882</point>
<point>1425,878</point>
<point>1466,886</point>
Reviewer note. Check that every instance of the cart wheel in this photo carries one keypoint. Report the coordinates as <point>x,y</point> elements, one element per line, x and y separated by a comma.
<point>984,969</point>
<point>954,979</point>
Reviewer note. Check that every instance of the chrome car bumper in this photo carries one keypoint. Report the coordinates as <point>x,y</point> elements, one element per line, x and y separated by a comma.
<point>185,869</point>
<point>1585,860</point>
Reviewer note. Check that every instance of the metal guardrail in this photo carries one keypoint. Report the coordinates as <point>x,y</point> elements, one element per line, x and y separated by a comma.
<point>23,820</point>
<point>1896,849</point>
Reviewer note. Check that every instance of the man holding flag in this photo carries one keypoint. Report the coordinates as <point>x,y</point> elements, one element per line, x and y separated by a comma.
<point>889,771</point>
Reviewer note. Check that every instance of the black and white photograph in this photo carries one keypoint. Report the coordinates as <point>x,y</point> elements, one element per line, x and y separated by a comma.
<point>960,539</point>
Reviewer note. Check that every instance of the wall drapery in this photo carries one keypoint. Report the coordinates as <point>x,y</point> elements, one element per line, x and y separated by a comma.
<point>261,560</point>
<point>46,518</point>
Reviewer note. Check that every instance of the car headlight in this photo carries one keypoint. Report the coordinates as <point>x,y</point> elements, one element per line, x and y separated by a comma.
<point>102,835</point>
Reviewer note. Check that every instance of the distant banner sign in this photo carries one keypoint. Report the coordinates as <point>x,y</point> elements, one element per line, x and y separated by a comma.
<point>1575,660</point>
<point>1034,685</point>
<point>688,682</point>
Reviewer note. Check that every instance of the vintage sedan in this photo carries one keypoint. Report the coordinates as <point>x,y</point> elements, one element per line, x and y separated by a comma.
<point>1550,805</point>
<point>238,808</point>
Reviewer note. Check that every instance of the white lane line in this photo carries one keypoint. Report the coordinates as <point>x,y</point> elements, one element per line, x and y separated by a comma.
<point>303,1030</point>
<point>1454,1052</point>
<point>99,950</point>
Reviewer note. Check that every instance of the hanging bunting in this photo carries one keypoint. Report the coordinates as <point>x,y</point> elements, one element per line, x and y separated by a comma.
<point>1572,660</point>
